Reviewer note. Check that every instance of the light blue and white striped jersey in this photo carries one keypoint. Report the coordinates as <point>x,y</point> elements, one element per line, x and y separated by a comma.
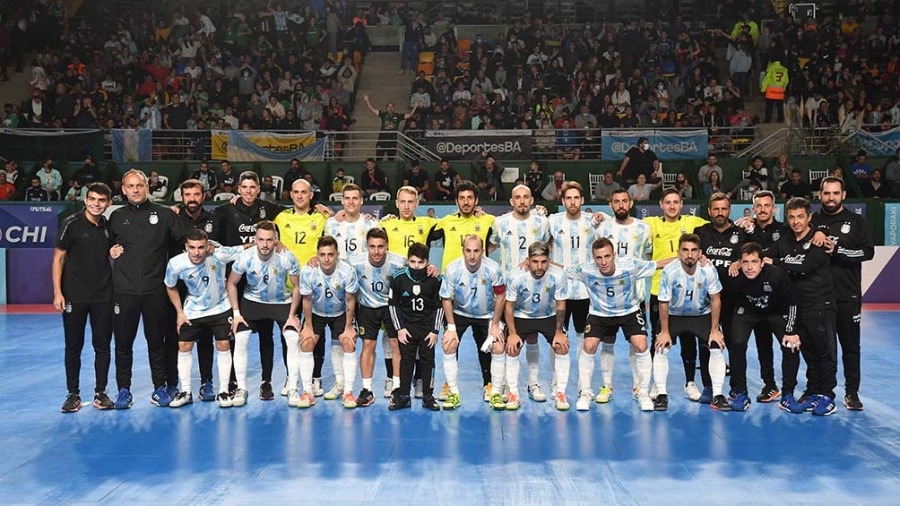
<point>536,297</point>
<point>634,240</point>
<point>571,246</point>
<point>375,282</point>
<point>616,294</point>
<point>514,236</point>
<point>473,293</point>
<point>688,295</point>
<point>329,291</point>
<point>267,280</point>
<point>351,237</point>
<point>206,283</point>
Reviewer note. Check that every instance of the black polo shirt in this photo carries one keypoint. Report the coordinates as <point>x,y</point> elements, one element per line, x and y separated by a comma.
<point>87,273</point>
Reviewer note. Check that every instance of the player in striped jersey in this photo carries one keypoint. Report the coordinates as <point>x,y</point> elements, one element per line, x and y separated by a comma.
<point>513,233</point>
<point>690,306</point>
<point>329,301</point>
<point>300,229</point>
<point>266,298</point>
<point>205,308</point>
<point>666,231</point>
<point>570,237</point>
<point>350,234</point>
<point>612,286</point>
<point>535,304</point>
<point>454,228</point>
<point>473,296</point>
<point>631,238</point>
<point>375,269</point>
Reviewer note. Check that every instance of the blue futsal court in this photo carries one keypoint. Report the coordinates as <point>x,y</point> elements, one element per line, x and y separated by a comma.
<point>269,453</point>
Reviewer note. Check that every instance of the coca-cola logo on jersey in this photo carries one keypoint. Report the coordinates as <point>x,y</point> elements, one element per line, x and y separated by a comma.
<point>794,259</point>
<point>719,252</point>
<point>247,229</point>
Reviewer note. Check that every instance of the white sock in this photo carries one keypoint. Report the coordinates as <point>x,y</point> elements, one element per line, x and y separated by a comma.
<point>585,370</point>
<point>512,374</point>
<point>661,371</point>
<point>717,370</point>
<point>552,375</point>
<point>367,383</point>
<point>337,361</point>
<point>498,369</point>
<point>223,364</point>
<point>451,371</point>
<point>579,338</point>
<point>292,338</point>
<point>241,341</point>
<point>396,381</point>
<point>185,364</point>
<point>533,358</point>
<point>635,375</point>
<point>563,364</point>
<point>307,364</point>
<point>386,347</point>
<point>645,367</point>
<point>351,364</point>
<point>607,361</point>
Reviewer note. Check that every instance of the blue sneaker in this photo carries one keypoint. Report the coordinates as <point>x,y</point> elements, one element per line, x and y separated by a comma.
<point>824,406</point>
<point>789,404</point>
<point>732,395</point>
<point>740,402</point>
<point>207,392</point>
<point>172,391</point>
<point>706,396</point>
<point>809,403</point>
<point>125,399</point>
<point>160,397</point>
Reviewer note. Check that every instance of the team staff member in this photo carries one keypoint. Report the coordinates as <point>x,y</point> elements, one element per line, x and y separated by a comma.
<point>690,304</point>
<point>535,304</point>
<point>82,289</point>
<point>192,212</point>
<point>417,313</point>
<point>145,232</point>
<point>809,268</point>
<point>639,160</point>
<point>853,245</point>
<point>454,228</point>
<point>205,309</point>
<point>666,232</point>
<point>764,300</point>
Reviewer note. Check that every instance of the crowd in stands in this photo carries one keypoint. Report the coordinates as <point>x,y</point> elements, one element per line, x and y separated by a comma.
<point>235,65</point>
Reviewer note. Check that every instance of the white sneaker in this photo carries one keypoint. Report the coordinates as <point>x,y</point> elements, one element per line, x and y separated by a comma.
<point>317,387</point>
<point>536,393</point>
<point>388,387</point>
<point>584,400</point>
<point>645,402</point>
<point>400,73</point>
<point>691,391</point>
<point>240,398</point>
<point>285,390</point>
<point>337,390</point>
<point>293,398</point>
<point>224,400</point>
<point>420,388</point>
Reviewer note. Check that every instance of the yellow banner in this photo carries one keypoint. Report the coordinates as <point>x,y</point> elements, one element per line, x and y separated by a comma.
<point>275,143</point>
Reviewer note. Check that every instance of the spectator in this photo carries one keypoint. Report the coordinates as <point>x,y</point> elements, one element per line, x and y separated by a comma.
<point>553,188</point>
<point>445,181</point>
<point>486,191</point>
<point>876,188</point>
<point>418,179</point>
<point>892,171</point>
<point>373,179</point>
<point>861,169</point>
<point>156,188</point>
<point>88,173</point>
<point>795,186</point>
<point>491,171</point>
<point>51,179</point>
<point>712,165</point>
<point>567,144</point>
<point>339,181</point>
<point>11,168</point>
<point>684,186</point>
<point>294,173</point>
<point>641,190</point>
<point>773,86</point>
<point>267,191</point>
<point>314,188</point>
<point>713,185</point>
<point>534,179</point>
<point>816,184</point>
<point>639,160</point>
<point>386,146</point>
<point>207,178</point>
<point>35,192</point>
<point>606,187</point>
<point>757,172</point>
<point>7,189</point>
<point>227,178</point>
<point>780,170</point>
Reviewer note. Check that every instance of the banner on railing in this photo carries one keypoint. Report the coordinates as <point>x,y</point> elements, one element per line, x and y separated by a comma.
<point>29,226</point>
<point>132,145</point>
<point>469,144</point>
<point>241,146</point>
<point>667,144</point>
<point>880,143</point>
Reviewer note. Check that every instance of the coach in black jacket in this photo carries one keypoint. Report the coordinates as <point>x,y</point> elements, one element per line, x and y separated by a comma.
<point>143,233</point>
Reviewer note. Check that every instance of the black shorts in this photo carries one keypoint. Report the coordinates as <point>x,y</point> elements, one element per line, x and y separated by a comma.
<point>632,324</point>
<point>691,326</point>
<point>335,323</point>
<point>253,312</point>
<point>480,326</point>
<point>370,320</point>
<point>531,327</point>
<point>220,324</point>
<point>577,310</point>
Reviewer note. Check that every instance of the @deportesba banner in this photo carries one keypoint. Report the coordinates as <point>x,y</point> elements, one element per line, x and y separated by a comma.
<point>241,146</point>
<point>469,144</point>
<point>667,144</point>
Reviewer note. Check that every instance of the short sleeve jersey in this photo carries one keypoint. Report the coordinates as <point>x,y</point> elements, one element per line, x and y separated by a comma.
<point>571,246</point>
<point>350,236</point>
<point>536,298</point>
<point>206,283</point>
<point>300,232</point>
<point>616,294</point>
<point>514,236</point>
<point>375,282</point>
<point>267,279</point>
<point>473,293</point>
<point>329,291</point>
<point>688,294</point>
